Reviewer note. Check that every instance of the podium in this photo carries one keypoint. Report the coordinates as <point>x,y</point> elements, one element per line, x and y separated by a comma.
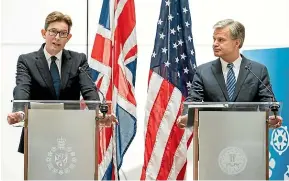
<point>230,140</point>
<point>60,139</point>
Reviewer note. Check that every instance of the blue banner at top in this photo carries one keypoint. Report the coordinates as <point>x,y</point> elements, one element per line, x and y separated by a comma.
<point>277,62</point>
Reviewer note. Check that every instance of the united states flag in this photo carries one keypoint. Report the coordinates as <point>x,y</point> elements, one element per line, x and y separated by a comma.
<point>114,61</point>
<point>171,73</point>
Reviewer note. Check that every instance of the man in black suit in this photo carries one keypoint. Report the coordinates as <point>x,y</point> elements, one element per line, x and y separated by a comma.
<point>51,73</point>
<point>226,79</point>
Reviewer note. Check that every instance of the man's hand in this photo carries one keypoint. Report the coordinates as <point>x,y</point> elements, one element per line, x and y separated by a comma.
<point>14,117</point>
<point>182,121</point>
<point>275,122</point>
<point>107,120</point>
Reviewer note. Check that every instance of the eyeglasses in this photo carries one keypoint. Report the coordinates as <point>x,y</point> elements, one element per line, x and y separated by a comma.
<point>54,32</point>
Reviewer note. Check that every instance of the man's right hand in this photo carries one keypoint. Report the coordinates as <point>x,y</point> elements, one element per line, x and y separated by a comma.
<point>14,117</point>
<point>182,121</point>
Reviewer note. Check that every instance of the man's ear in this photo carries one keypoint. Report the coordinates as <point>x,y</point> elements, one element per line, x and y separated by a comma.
<point>238,42</point>
<point>43,33</point>
<point>69,36</point>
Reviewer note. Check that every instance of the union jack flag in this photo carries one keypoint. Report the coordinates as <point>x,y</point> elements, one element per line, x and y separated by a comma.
<point>171,73</point>
<point>114,61</point>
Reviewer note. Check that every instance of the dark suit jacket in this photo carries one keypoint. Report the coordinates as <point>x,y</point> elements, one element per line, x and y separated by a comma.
<point>209,84</point>
<point>34,81</point>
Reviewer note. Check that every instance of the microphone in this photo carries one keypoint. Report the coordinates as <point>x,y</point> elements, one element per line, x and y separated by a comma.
<point>274,107</point>
<point>103,107</point>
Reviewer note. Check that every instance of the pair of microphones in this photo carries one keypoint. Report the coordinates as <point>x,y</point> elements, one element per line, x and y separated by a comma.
<point>103,107</point>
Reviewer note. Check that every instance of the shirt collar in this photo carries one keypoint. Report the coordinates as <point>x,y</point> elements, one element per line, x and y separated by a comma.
<point>236,63</point>
<point>48,56</point>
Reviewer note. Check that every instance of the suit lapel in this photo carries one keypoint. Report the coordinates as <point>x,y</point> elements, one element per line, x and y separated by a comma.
<point>218,73</point>
<point>243,73</point>
<point>43,69</point>
<point>65,68</point>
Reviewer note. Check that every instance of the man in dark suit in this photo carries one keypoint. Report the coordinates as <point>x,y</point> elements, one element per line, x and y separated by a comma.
<point>226,79</point>
<point>51,73</point>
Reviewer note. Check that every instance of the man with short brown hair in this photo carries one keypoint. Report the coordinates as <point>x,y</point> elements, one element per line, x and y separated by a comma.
<point>52,72</point>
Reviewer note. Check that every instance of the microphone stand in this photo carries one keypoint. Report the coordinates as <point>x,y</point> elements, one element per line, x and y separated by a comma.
<point>274,107</point>
<point>103,107</point>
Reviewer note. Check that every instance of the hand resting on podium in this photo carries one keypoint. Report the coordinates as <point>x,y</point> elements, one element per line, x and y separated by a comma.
<point>107,120</point>
<point>15,117</point>
<point>275,122</point>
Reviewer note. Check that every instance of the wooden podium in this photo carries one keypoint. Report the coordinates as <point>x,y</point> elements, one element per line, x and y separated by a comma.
<point>61,140</point>
<point>230,140</point>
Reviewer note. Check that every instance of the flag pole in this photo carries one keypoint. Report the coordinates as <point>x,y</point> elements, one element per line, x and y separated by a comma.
<point>87,20</point>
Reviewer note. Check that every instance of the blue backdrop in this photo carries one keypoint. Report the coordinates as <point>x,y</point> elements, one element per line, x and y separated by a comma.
<point>277,62</point>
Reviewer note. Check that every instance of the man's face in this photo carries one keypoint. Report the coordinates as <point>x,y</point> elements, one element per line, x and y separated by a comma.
<point>223,45</point>
<point>56,36</point>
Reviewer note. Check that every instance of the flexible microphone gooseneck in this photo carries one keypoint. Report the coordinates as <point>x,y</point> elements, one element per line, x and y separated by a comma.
<point>103,107</point>
<point>274,107</point>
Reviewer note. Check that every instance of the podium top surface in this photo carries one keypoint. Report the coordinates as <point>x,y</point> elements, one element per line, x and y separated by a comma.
<point>231,104</point>
<point>19,105</point>
<point>60,101</point>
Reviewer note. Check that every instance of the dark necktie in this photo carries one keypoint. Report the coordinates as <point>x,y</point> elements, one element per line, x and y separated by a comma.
<point>55,76</point>
<point>231,81</point>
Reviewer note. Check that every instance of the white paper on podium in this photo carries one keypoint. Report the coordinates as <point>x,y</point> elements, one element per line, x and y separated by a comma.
<point>37,105</point>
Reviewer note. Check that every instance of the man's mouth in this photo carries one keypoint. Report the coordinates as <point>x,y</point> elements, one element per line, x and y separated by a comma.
<point>56,44</point>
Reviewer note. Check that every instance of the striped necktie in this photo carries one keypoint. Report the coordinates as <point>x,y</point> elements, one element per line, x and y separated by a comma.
<point>231,81</point>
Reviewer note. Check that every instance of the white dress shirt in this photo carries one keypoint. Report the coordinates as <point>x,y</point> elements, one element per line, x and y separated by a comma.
<point>236,67</point>
<point>57,61</point>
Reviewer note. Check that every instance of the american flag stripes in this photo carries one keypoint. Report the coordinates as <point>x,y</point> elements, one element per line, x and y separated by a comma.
<point>171,73</point>
<point>114,61</point>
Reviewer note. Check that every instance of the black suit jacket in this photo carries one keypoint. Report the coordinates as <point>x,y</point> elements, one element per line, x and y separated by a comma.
<point>209,84</point>
<point>34,81</point>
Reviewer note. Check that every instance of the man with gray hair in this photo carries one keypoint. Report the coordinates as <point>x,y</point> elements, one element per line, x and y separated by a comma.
<point>226,78</point>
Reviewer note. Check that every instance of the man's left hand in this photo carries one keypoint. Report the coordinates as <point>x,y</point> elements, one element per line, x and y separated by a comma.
<point>275,122</point>
<point>107,120</point>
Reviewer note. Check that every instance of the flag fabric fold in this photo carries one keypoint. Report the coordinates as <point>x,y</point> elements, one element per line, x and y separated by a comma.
<point>172,68</point>
<point>113,63</point>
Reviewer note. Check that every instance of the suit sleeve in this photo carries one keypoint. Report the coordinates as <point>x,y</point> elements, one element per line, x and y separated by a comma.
<point>87,87</point>
<point>263,93</point>
<point>23,84</point>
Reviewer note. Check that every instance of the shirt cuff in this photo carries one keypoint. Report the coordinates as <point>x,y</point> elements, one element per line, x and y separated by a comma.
<point>22,115</point>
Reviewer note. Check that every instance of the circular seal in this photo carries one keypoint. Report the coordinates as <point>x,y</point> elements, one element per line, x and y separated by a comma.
<point>232,160</point>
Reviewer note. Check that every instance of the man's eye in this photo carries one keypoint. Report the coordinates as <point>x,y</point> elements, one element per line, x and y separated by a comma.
<point>53,31</point>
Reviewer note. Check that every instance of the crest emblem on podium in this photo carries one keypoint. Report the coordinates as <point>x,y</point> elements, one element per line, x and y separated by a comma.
<point>232,160</point>
<point>61,159</point>
<point>279,139</point>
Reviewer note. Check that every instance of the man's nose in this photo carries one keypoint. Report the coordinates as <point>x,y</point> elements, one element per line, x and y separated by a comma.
<point>215,43</point>
<point>57,36</point>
